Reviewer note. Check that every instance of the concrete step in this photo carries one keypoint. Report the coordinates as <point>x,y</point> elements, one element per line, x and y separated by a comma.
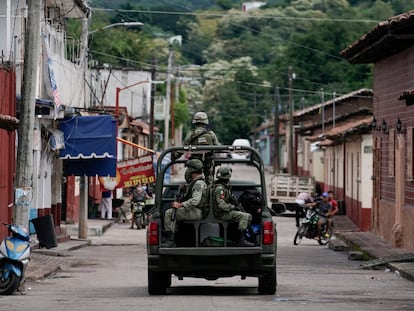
<point>337,245</point>
<point>93,230</point>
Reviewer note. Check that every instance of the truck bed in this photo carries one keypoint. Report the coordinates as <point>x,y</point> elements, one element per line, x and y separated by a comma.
<point>285,188</point>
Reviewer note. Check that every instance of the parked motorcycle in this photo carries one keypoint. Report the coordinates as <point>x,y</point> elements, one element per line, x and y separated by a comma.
<point>138,215</point>
<point>14,257</point>
<point>309,228</point>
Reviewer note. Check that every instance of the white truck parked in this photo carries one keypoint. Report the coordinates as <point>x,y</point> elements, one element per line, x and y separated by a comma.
<point>284,189</point>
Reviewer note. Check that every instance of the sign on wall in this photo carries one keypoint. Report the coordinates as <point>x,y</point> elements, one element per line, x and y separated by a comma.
<point>131,173</point>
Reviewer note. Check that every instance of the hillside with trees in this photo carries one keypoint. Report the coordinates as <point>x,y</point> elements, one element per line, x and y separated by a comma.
<point>239,62</point>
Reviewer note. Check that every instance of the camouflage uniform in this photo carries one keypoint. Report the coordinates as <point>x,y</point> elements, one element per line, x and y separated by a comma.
<point>225,205</point>
<point>200,135</point>
<point>194,201</point>
<point>225,209</point>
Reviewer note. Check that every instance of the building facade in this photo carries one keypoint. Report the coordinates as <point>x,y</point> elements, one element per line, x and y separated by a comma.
<point>390,47</point>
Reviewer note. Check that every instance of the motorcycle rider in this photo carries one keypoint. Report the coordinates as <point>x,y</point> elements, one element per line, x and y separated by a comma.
<point>324,214</point>
<point>193,203</point>
<point>304,199</point>
<point>136,196</point>
<point>334,203</point>
<point>225,207</point>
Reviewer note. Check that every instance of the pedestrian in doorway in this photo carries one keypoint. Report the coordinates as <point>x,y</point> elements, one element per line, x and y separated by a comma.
<point>106,205</point>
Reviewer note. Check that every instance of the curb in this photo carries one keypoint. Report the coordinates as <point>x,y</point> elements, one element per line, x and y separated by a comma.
<point>403,269</point>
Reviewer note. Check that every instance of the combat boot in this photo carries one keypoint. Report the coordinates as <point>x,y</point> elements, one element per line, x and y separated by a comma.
<point>169,241</point>
<point>243,242</point>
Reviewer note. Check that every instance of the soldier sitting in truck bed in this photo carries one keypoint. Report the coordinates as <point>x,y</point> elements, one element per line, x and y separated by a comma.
<point>194,201</point>
<point>225,207</point>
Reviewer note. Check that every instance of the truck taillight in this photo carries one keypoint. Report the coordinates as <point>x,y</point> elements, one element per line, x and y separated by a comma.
<point>268,234</point>
<point>153,233</point>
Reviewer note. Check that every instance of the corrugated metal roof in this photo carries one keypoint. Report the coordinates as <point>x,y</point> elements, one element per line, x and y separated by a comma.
<point>344,130</point>
<point>366,93</point>
<point>145,129</point>
<point>387,38</point>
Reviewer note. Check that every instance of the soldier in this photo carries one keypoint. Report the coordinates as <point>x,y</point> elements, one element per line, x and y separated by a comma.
<point>194,201</point>
<point>226,205</point>
<point>201,135</point>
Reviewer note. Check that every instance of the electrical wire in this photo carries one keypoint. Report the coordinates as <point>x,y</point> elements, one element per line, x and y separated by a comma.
<point>237,15</point>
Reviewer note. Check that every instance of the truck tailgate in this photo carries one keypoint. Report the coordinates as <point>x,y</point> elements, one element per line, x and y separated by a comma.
<point>210,251</point>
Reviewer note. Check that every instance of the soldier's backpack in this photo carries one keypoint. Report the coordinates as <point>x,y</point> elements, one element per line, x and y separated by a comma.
<point>251,200</point>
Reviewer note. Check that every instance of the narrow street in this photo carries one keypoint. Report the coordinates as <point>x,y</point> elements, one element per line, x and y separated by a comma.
<point>111,274</point>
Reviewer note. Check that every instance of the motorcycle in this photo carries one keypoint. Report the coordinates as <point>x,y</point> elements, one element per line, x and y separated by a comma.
<point>138,215</point>
<point>14,257</point>
<point>309,228</point>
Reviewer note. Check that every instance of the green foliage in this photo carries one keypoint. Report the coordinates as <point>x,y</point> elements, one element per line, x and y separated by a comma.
<point>181,112</point>
<point>244,56</point>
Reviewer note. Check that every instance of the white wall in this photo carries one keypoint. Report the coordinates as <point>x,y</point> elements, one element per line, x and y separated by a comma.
<point>366,171</point>
<point>353,170</point>
<point>11,35</point>
<point>136,99</point>
<point>318,158</point>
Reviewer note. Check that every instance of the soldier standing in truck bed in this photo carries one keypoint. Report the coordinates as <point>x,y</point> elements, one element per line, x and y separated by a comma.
<point>201,135</point>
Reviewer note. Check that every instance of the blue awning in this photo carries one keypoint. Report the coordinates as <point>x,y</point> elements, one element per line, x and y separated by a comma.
<point>90,167</point>
<point>88,137</point>
<point>90,145</point>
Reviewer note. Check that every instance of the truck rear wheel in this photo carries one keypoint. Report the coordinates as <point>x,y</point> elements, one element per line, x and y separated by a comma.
<point>158,282</point>
<point>267,283</point>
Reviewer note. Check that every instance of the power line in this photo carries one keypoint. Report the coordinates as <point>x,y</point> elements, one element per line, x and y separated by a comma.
<point>237,15</point>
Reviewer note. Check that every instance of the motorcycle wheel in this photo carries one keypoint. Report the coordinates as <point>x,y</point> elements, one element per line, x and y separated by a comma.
<point>325,237</point>
<point>299,235</point>
<point>8,286</point>
<point>140,221</point>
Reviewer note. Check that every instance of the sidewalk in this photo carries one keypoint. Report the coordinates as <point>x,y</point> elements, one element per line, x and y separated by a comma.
<point>380,252</point>
<point>45,262</point>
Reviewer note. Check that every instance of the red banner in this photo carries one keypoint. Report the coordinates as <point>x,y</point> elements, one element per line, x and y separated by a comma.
<point>131,173</point>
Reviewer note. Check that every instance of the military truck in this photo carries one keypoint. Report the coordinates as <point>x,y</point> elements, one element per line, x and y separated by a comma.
<point>206,248</point>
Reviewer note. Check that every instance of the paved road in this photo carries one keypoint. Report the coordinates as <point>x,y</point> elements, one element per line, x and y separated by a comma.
<point>111,275</point>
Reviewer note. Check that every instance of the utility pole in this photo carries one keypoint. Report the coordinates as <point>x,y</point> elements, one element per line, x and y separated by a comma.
<point>334,108</point>
<point>24,167</point>
<point>151,138</point>
<point>168,100</point>
<point>84,180</point>
<point>276,132</point>
<point>172,100</point>
<point>290,149</point>
<point>323,110</point>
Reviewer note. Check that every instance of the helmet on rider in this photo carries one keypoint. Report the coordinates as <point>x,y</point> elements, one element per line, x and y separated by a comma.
<point>224,173</point>
<point>194,165</point>
<point>200,118</point>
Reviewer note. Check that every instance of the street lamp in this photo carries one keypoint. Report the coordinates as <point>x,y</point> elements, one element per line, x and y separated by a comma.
<point>126,24</point>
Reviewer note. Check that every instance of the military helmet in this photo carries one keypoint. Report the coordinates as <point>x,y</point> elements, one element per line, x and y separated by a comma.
<point>224,173</point>
<point>200,117</point>
<point>194,165</point>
